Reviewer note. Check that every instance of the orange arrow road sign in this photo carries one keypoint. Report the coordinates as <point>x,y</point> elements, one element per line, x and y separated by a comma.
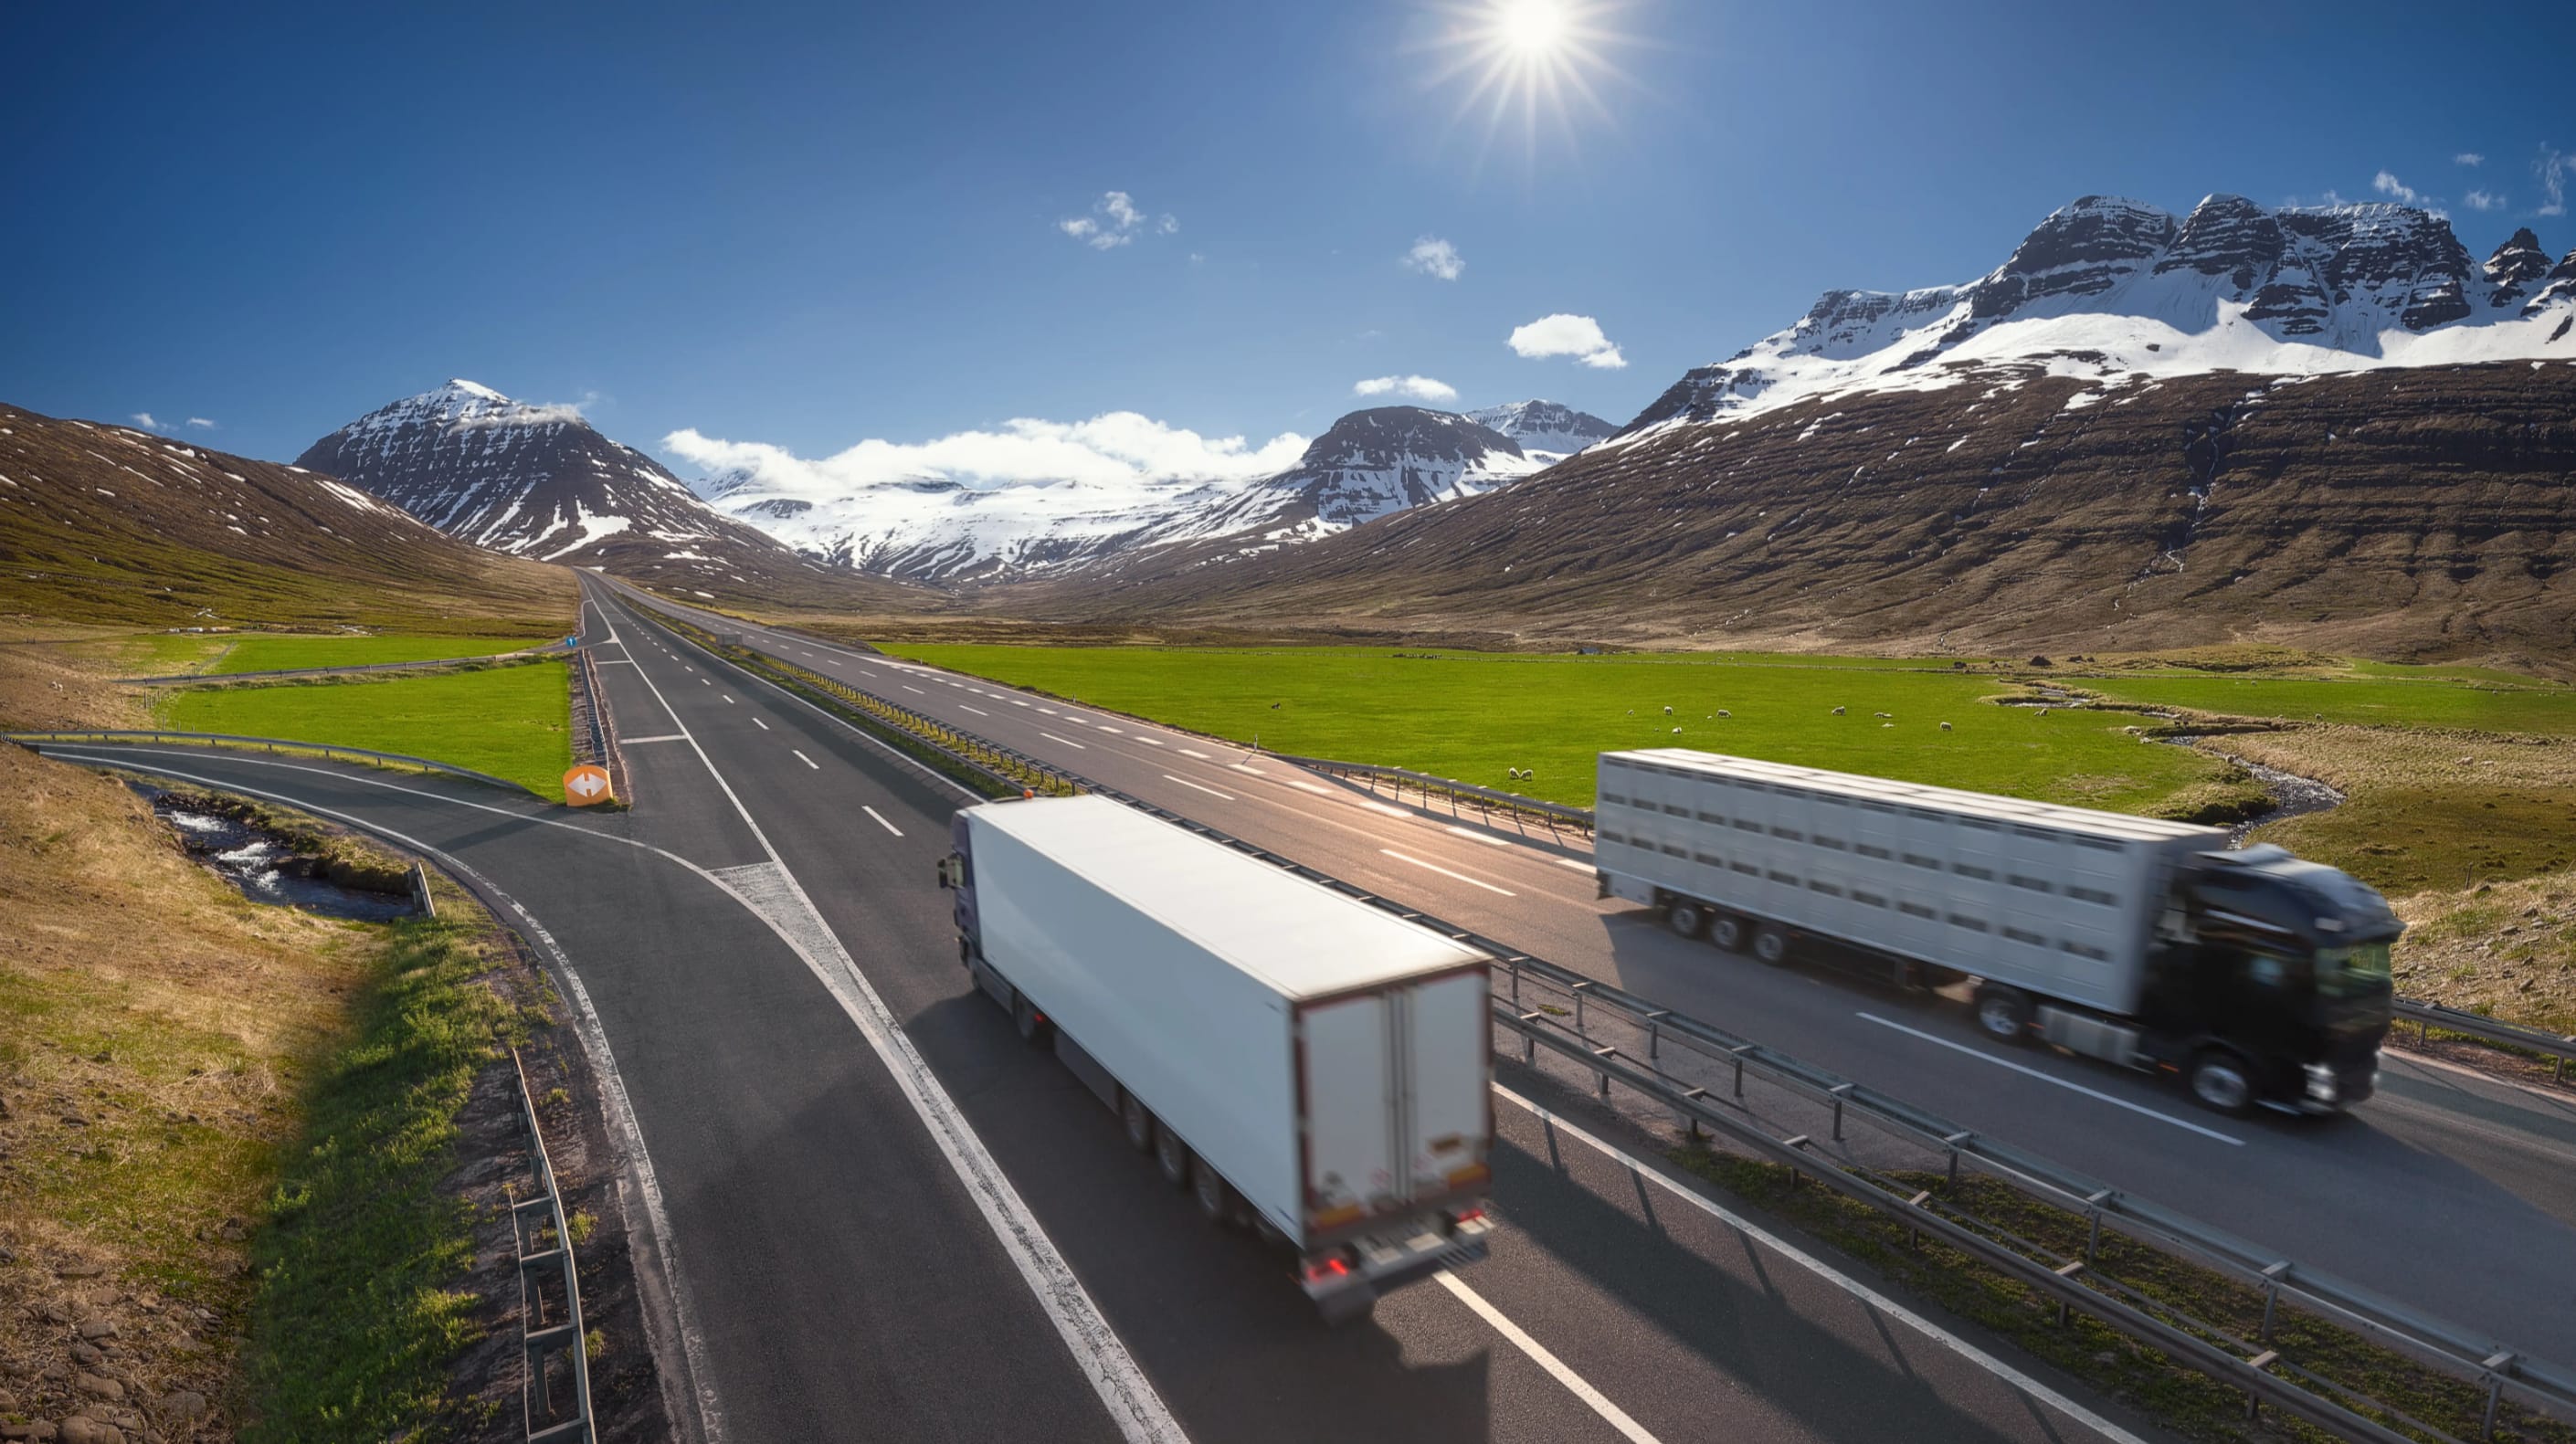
<point>586,784</point>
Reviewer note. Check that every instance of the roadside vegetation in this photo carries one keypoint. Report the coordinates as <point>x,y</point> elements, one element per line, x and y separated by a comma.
<point>221,1135</point>
<point>267,653</point>
<point>513,721</point>
<point>1473,716</point>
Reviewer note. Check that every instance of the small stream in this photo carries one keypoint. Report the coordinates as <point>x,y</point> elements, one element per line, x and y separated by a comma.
<point>2292,795</point>
<point>264,867</point>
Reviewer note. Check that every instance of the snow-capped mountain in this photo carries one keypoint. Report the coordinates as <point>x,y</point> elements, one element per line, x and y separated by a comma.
<point>936,528</point>
<point>2106,289</point>
<point>1547,432</point>
<point>540,482</point>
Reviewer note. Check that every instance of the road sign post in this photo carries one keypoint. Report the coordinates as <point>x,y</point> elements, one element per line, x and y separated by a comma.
<point>587,784</point>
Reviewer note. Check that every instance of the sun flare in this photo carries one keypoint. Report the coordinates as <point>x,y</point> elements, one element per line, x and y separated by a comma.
<point>1522,59</point>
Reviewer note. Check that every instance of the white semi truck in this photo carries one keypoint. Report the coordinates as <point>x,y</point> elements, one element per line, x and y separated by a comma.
<point>1301,1061</point>
<point>2254,976</point>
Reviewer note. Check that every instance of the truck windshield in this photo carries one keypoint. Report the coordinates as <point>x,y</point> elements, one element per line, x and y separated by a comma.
<point>2353,971</point>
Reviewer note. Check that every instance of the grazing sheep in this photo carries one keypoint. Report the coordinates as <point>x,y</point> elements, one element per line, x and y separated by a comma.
<point>1668,711</point>
<point>1677,732</point>
<point>2043,711</point>
<point>1838,711</point>
<point>1722,712</point>
<point>1945,726</point>
<point>1882,715</point>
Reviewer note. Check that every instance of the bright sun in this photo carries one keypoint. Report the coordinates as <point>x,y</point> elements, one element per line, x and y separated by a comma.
<point>1517,58</point>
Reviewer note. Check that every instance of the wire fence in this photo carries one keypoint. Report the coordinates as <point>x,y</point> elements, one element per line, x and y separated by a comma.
<point>1938,1180</point>
<point>549,1289</point>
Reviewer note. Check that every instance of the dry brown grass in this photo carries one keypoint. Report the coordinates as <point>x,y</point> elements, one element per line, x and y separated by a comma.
<point>153,1029</point>
<point>57,676</point>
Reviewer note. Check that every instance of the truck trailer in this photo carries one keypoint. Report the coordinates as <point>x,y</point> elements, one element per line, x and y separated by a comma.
<point>1302,1062</point>
<point>2255,977</point>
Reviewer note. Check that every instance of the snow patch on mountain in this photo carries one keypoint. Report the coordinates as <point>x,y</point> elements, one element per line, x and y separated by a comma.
<point>1547,432</point>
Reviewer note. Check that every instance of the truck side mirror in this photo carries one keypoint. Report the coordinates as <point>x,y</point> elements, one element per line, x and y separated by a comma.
<point>948,871</point>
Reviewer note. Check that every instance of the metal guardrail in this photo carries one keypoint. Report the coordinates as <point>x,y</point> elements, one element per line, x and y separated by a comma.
<point>590,705</point>
<point>182,679</point>
<point>1487,800</point>
<point>2254,1366</point>
<point>546,1248</point>
<point>2428,1016</point>
<point>33,740</point>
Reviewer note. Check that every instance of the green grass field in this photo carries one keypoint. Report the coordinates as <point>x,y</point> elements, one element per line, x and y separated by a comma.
<point>510,721</point>
<point>1472,715</point>
<point>278,654</point>
<point>2377,700</point>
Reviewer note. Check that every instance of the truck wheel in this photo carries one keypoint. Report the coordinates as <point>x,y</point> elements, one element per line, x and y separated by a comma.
<point>1215,1197</point>
<point>2219,1081</point>
<point>1685,917</point>
<point>1727,932</point>
<point>1771,944</point>
<point>965,952</point>
<point>1138,1122</point>
<point>1033,1028</point>
<point>2003,1013</point>
<point>1172,1156</point>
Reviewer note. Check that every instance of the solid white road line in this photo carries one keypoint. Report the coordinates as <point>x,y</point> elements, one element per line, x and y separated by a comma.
<point>1444,872</point>
<point>1194,752</point>
<point>1210,791</point>
<point>808,761</point>
<point>665,737</point>
<point>1875,1300</point>
<point>1469,832</point>
<point>1067,741</point>
<point>880,817</point>
<point>978,711</point>
<point>1575,1384</point>
<point>1985,1057</point>
<point>756,722</point>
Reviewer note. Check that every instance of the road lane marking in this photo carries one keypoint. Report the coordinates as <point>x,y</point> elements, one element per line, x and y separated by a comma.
<point>1489,840</point>
<point>916,691</point>
<point>1866,1295</point>
<point>1049,711</point>
<point>1574,1383</point>
<point>1016,702</point>
<point>880,817</point>
<point>617,662</point>
<point>1389,811</point>
<point>1194,752</point>
<point>978,711</point>
<point>1576,863</point>
<point>808,761</point>
<point>2117,1102</point>
<point>756,722</point>
<point>1444,872</point>
<point>1067,741</point>
<point>1310,787</point>
<point>1240,767</point>
<point>706,681</point>
<point>1148,741</point>
<point>665,737</point>
<point>1103,726</point>
<point>1210,791</point>
<point>728,696</point>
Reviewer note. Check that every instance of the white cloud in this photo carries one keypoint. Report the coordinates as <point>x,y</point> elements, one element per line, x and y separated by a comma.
<point>2482,201</point>
<point>144,420</point>
<point>1420,388</point>
<point>1114,448</point>
<point>1115,222</point>
<point>1436,258</point>
<point>1566,335</point>
<point>2397,190</point>
<point>2468,157</point>
<point>201,423</point>
<point>2553,168</point>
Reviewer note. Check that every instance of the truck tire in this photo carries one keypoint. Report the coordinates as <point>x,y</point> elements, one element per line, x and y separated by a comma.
<point>2219,1081</point>
<point>1771,944</point>
<point>1033,1028</point>
<point>1727,931</point>
<point>1685,917</point>
<point>1172,1156</point>
<point>1214,1195</point>
<point>2003,1014</point>
<point>1138,1122</point>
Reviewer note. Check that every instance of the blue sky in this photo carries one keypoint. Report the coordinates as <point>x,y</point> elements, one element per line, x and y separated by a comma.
<point>806,226</point>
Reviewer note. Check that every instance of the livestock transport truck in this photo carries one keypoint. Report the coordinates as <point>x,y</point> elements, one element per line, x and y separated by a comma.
<point>2254,976</point>
<point>1300,1061</point>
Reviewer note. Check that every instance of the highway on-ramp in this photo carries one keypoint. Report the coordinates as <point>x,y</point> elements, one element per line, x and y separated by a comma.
<point>2439,1192</point>
<point>869,1209</point>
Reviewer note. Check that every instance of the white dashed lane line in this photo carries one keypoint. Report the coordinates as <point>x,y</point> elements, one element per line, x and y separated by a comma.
<point>1194,752</point>
<point>1148,741</point>
<point>880,817</point>
<point>1444,872</point>
<point>1210,791</point>
<point>1469,832</point>
<point>916,691</point>
<point>978,711</point>
<point>1978,1053</point>
<point>756,722</point>
<point>1067,741</point>
<point>808,761</point>
<point>1576,863</point>
<point>728,696</point>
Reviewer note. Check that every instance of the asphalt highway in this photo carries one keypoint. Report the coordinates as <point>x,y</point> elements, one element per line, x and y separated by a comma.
<point>872,1209</point>
<point>2439,1192</point>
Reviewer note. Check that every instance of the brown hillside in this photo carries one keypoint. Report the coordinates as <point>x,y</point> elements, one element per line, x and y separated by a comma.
<point>2403,513</point>
<point>104,524</point>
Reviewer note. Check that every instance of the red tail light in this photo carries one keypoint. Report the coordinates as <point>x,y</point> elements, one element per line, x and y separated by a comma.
<point>1321,1269</point>
<point>1468,1215</point>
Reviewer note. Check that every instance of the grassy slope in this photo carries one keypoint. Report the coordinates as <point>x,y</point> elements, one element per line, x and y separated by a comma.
<point>1471,716</point>
<point>510,721</point>
<point>277,654</point>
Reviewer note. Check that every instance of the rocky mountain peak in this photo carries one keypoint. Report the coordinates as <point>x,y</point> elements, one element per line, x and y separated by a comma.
<point>1384,436</point>
<point>2517,267</point>
<point>1545,429</point>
